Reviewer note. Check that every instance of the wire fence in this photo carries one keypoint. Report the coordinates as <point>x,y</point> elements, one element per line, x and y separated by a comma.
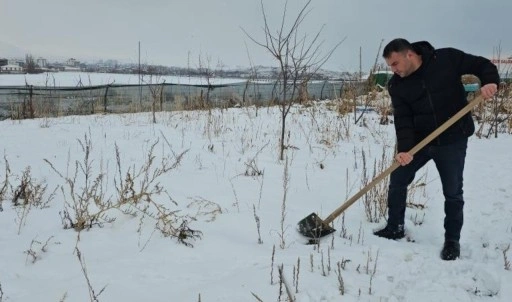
<point>43,101</point>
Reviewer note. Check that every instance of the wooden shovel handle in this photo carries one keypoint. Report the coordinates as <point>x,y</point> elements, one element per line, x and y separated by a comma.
<point>413,151</point>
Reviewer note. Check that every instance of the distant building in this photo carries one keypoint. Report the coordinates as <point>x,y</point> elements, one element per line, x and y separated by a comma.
<point>507,61</point>
<point>69,68</point>
<point>73,62</point>
<point>503,64</point>
<point>72,65</point>
<point>41,62</point>
<point>11,69</point>
<point>3,62</point>
<point>17,62</point>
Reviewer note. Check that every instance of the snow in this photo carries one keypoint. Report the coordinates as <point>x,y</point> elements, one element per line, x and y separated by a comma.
<point>74,79</point>
<point>215,183</point>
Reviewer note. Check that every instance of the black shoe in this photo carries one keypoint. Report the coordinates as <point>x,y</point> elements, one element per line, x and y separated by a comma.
<point>391,232</point>
<point>451,250</point>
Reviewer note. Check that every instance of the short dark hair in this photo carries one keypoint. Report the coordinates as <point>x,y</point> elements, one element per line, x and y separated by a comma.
<point>396,45</point>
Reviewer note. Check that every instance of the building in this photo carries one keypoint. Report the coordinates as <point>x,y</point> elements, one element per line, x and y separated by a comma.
<point>507,61</point>
<point>11,69</point>
<point>504,68</point>
<point>72,65</point>
<point>3,62</point>
<point>41,62</point>
<point>73,62</point>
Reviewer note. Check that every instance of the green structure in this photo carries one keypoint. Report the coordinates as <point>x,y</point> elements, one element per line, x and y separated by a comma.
<point>382,77</point>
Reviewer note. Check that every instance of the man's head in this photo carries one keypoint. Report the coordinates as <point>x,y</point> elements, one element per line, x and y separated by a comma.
<point>401,57</point>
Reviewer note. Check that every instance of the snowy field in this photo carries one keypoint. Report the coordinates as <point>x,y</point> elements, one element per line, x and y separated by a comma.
<point>74,79</point>
<point>225,182</point>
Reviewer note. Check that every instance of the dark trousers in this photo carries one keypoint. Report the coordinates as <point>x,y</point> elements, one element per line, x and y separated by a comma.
<point>449,160</point>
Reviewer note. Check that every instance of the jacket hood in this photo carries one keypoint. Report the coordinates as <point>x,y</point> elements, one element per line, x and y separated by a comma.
<point>423,48</point>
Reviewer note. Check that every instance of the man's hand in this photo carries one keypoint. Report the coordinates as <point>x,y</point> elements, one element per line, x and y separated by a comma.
<point>403,158</point>
<point>489,90</point>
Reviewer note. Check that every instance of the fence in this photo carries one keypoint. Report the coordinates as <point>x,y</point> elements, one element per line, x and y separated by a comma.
<point>39,101</point>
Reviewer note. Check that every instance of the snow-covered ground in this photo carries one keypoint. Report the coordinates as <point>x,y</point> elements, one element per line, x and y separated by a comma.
<point>229,175</point>
<point>74,79</point>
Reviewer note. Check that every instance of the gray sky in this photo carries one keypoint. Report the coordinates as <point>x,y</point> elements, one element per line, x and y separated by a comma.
<point>171,31</point>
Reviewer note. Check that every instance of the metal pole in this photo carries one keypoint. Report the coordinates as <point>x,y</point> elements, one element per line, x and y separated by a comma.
<point>140,80</point>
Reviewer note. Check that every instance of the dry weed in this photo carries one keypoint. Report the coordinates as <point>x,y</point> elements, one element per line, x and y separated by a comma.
<point>137,192</point>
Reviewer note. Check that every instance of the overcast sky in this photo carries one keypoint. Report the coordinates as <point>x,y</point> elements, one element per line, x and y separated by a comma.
<point>171,31</point>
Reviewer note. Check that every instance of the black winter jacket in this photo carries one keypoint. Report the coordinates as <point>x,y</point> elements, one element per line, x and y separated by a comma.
<point>432,94</point>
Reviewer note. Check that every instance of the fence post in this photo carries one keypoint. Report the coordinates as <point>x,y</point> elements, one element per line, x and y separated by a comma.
<point>105,99</point>
<point>31,107</point>
<point>322,90</point>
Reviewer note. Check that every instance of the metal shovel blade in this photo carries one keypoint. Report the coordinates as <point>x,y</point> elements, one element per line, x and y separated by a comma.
<point>314,227</point>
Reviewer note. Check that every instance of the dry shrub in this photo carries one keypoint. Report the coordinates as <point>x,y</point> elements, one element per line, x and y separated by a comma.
<point>138,191</point>
<point>28,194</point>
<point>494,116</point>
<point>345,106</point>
<point>5,185</point>
<point>375,200</point>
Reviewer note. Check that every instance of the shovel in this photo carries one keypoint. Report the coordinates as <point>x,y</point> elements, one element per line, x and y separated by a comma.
<point>314,227</point>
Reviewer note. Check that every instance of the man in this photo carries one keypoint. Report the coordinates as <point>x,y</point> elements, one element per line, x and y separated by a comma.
<point>426,90</point>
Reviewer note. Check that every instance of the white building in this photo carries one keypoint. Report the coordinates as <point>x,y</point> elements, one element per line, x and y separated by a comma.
<point>41,62</point>
<point>73,62</point>
<point>10,68</point>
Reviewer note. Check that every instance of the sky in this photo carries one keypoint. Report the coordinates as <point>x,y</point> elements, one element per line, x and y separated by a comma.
<point>229,173</point>
<point>176,32</point>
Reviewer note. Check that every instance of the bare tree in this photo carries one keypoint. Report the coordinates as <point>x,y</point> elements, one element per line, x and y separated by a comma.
<point>206,72</point>
<point>368,90</point>
<point>298,56</point>
<point>253,76</point>
<point>156,89</point>
<point>495,116</point>
<point>30,64</point>
<point>500,112</point>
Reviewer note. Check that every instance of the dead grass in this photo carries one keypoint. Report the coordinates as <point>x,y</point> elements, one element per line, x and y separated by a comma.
<point>138,193</point>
